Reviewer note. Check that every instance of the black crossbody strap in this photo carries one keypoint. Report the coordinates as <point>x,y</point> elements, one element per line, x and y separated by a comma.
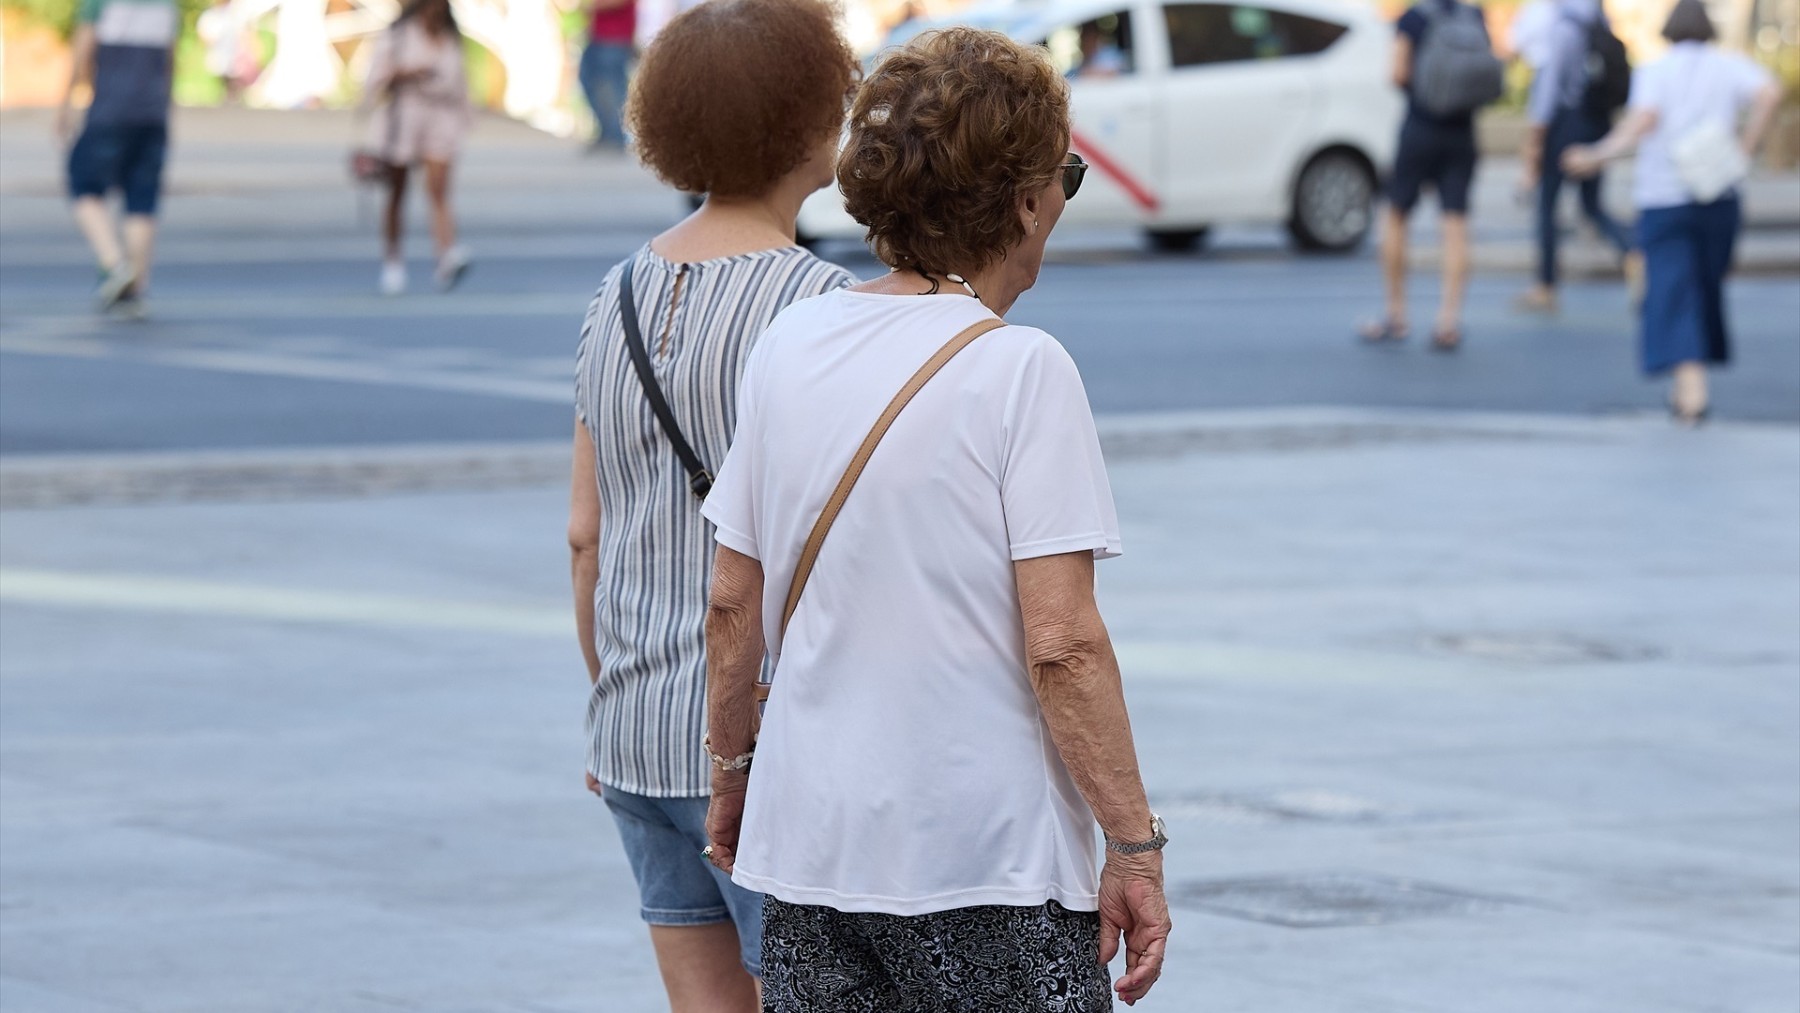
<point>699,479</point>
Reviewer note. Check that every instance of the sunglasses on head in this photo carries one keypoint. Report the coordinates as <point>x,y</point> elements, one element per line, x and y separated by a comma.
<point>1074,170</point>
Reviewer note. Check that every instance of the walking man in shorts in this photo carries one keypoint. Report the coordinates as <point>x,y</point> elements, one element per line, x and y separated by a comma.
<point>1436,150</point>
<point>124,49</point>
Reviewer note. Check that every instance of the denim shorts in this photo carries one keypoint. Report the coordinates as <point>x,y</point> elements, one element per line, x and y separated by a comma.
<point>663,838</point>
<point>123,156</point>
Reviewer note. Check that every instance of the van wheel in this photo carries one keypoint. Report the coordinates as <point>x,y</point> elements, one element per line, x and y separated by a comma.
<point>1176,240</point>
<point>1333,202</point>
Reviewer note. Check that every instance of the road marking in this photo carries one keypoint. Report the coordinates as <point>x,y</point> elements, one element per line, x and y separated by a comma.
<point>273,363</point>
<point>142,593</point>
<point>1099,159</point>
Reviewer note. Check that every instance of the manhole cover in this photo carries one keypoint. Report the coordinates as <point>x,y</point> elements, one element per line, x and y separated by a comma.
<point>1541,648</point>
<point>1327,900</point>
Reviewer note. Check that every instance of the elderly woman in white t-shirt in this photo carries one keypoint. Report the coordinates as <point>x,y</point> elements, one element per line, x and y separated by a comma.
<point>1688,110</point>
<point>947,723</point>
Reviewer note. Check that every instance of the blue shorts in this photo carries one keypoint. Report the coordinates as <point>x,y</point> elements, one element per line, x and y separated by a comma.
<point>663,838</point>
<point>128,157</point>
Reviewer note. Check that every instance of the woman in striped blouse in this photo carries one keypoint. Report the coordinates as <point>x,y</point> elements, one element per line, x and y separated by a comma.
<point>702,292</point>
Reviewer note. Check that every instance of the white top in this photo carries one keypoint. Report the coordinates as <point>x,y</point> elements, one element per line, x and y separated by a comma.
<point>1692,84</point>
<point>904,765</point>
<point>1531,32</point>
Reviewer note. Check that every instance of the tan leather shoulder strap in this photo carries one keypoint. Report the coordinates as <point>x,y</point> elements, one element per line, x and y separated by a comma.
<point>810,553</point>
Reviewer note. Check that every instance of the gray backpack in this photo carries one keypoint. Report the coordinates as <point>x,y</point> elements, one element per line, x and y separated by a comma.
<point>1455,70</point>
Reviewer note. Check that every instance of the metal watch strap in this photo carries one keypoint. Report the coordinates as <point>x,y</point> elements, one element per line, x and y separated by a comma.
<point>699,479</point>
<point>1158,838</point>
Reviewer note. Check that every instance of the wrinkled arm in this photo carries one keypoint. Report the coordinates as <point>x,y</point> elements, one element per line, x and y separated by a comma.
<point>584,545</point>
<point>734,653</point>
<point>1076,678</point>
<point>734,650</point>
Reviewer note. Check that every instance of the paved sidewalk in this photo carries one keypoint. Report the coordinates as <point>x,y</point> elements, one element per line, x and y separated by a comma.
<point>1448,712</point>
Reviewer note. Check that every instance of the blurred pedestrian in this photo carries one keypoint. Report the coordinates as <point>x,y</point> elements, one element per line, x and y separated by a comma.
<point>124,50</point>
<point>1444,62</point>
<point>1572,101</point>
<point>416,73</point>
<point>605,68</point>
<point>231,48</point>
<point>1684,121</point>
<point>923,844</point>
<point>662,352</point>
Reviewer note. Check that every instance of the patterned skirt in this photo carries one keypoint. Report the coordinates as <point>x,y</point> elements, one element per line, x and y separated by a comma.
<point>991,959</point>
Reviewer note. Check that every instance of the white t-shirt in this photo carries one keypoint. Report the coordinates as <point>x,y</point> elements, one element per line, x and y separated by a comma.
<point>904,765</point>
<point>1692,84</point>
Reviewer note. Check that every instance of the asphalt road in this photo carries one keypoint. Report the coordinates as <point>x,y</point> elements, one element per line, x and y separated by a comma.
<point>267,331</point>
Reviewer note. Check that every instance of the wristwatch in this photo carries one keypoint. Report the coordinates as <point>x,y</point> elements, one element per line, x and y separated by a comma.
<point>1157,839</point>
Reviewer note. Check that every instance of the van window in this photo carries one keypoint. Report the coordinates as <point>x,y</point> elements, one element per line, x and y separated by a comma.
<point>1223,33</point>
<point>1092,49</point>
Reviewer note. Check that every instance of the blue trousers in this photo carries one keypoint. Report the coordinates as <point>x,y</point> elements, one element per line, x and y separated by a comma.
<point>603,71</point>
<point>1687,251</point>
<point>1570,127</point>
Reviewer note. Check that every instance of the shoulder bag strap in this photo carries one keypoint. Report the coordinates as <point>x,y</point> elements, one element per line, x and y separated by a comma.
<point>699,479</point>
<point>816,539</point>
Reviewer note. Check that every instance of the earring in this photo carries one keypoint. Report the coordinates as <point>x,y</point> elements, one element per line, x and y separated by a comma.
<point>1034,225</point>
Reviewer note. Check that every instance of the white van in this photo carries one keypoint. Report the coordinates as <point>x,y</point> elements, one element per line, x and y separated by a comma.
<point>1191,114</point>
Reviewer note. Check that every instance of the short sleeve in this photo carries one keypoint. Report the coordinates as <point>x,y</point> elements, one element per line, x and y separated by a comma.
<point>1053,484</point>
<point>1646,87</point>
<point>587,360</point>
<point>1411,24</point>
<point>1747,78</point>
<point>731,504</point>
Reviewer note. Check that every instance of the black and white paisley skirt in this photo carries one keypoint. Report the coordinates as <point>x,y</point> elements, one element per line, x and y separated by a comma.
<point>991,959</point>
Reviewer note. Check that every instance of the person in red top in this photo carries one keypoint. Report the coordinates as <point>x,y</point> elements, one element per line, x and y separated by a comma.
<point>604,63</point>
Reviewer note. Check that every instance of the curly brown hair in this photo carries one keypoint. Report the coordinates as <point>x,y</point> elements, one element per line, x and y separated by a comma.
<point>945,136</point>
<point>735,94</point>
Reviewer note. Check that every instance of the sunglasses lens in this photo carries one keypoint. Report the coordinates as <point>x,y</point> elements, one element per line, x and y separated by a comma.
<point>1073,174</point>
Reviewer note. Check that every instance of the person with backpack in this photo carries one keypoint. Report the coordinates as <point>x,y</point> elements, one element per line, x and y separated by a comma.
<point>1445,63</point>
<point>1582,84</point>
<point>1697,116</point>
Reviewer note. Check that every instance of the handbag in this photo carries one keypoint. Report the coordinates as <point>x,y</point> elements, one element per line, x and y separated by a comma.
<point>700,480</point>
<point>809,554</point>
<point>1709,161</point>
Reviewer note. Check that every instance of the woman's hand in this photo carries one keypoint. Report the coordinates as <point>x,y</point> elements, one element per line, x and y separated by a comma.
<point>725,816</point>
<point>1132,905</point>
<point>593,785</point>
<point>1581,161</point>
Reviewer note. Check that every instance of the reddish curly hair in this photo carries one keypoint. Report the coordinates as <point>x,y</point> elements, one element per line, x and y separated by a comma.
<point>945,136</point>
<point>735,94</point>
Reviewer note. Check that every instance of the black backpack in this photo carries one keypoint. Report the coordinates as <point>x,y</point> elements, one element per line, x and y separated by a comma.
<point>1607,71</point>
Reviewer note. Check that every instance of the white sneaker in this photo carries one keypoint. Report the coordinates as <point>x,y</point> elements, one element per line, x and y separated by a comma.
<point>451,267</point>
<point>393,277</point>
<point>113,286</point>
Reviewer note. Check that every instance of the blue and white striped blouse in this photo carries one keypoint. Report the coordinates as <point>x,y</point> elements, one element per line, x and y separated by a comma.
<point>699,321</point>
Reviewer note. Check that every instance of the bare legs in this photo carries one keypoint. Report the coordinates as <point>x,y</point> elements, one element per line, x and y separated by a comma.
<point>701,969</point>
<point>1687,392</point>
<point>1456,280</point>
<point>96,225</point>
<point>1393,264</point>
<point>393,219</point>
<point>443,222</point>
<point>1447,332</point>
<point>127,267</point>
<point>453,260</point>
<point>140,244</point>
